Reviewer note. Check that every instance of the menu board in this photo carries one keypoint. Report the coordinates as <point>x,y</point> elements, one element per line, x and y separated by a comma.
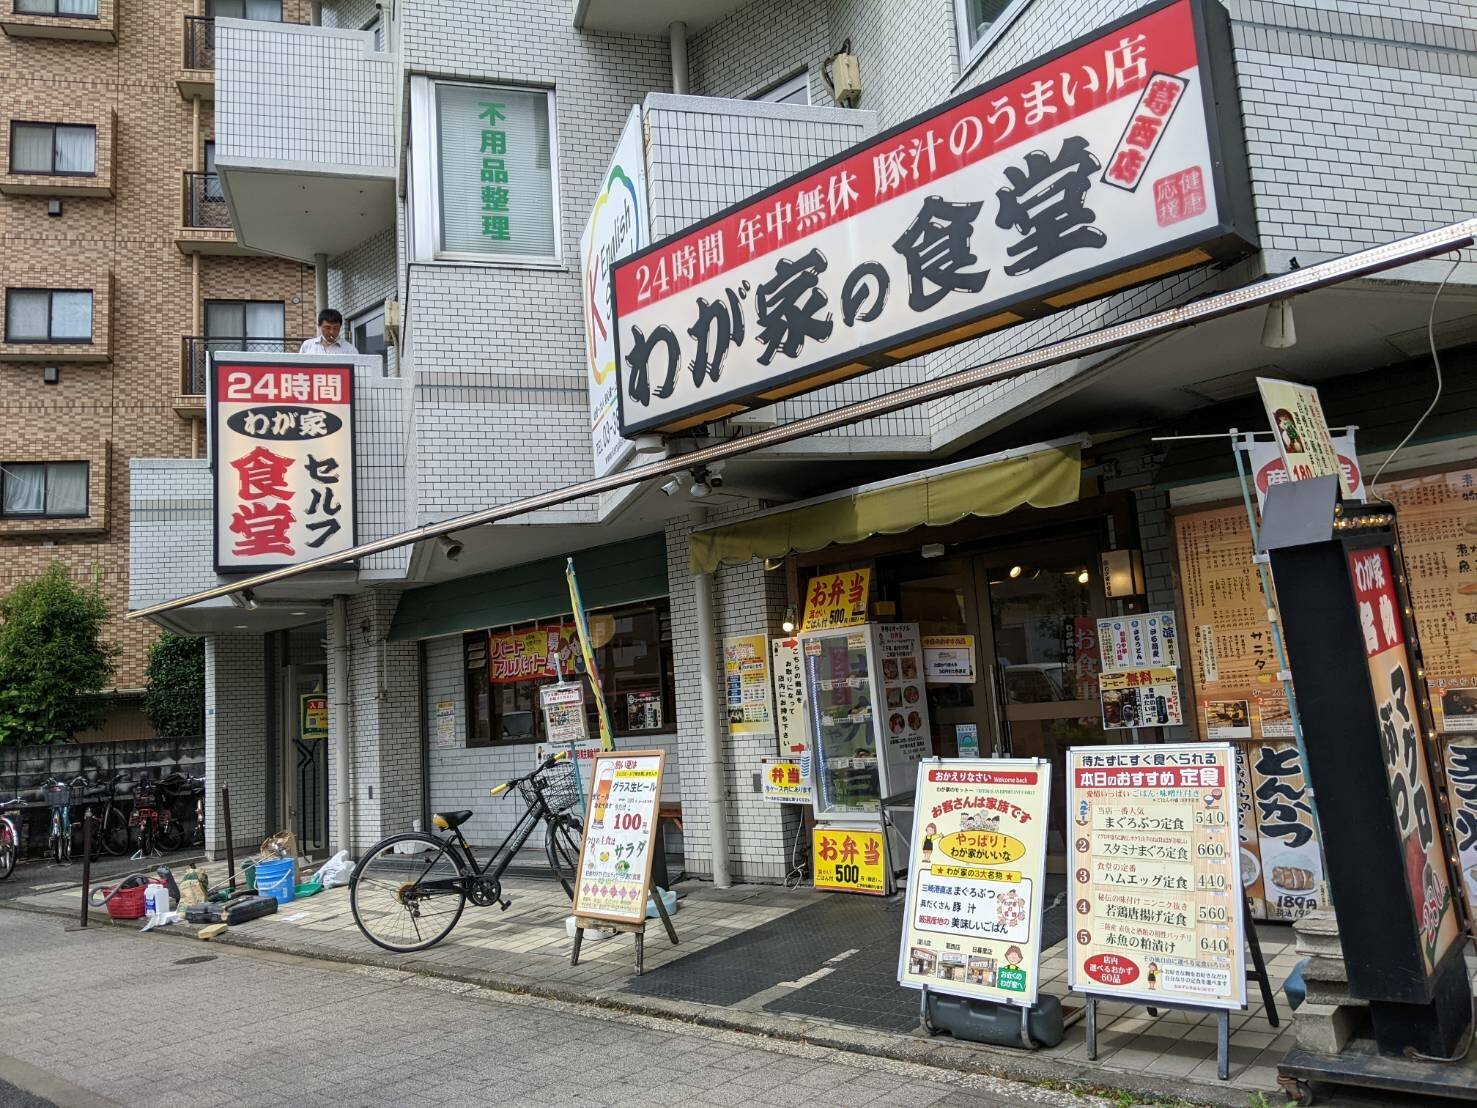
<point>977,868</point>
<point>1156,908</point>
<point>906,732</point>
<point>1140,698</point>
<point>791,719</point>
<point>615,858</point>
<point>750,700</point>
<point>848,860</point>
<point>564,711</point>
<point>1146,640</point>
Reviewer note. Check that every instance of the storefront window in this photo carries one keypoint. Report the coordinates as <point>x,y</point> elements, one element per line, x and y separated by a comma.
<point>633,652</point>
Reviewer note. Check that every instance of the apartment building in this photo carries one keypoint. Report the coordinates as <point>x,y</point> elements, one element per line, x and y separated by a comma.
<point>461,164</point>
<point>119,270</point>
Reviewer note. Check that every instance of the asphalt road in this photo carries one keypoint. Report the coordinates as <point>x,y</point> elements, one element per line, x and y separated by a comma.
<point>109,1016</point>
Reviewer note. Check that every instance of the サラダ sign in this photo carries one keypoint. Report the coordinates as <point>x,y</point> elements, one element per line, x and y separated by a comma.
<point>1115,160</point>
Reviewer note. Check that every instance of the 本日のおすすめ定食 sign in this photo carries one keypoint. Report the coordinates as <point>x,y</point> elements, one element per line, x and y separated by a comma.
<point>1112,161</point>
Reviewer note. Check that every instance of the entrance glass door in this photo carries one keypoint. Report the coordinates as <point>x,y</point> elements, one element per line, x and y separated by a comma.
<point>304,761</point>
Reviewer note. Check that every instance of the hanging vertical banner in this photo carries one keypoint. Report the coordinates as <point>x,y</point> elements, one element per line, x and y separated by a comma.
<point>977,866</point>
<point>789,703</point>
<point>1461,779</point>
<point>592,671</point>
<point>1156,905</point>
<point>750,701</point>
<point>1110,161</point>
<point>282,452</point>
<point>619,224</point>
<point>1303,439</point>
<point>615,857</point>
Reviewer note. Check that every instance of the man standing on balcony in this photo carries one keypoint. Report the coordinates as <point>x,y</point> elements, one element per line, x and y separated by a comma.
<point>330,323</point>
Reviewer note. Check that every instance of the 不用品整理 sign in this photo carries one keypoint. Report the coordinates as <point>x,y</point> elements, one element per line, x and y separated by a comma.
<point>1109,162</point>
<point>620,825</point>
<point>976,866</point>
<point>1155,892</point>
<point>282,452</point>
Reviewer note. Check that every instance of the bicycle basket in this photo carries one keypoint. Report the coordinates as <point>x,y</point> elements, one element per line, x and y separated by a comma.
<point>560,786</point>
<point>145,795</point>
<point>58,795</point>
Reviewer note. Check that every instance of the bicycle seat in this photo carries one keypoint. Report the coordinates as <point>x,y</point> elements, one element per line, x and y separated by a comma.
<point>445,821</point>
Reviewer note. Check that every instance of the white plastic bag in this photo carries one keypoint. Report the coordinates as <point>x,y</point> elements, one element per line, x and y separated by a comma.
<point>336,870</point>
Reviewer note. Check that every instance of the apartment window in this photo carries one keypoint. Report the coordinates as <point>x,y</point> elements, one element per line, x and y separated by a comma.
<point>367,333</point>
<point>376,26</point>
<point>256,324</point>
<point>266,11</point>
<point>76,9</point>
<point>633,650</point>
<point>794,90</point>
<point>55,149</point>
<point>212,184</point>
<point>495,173</point>
<point>48,315</point>
<point>43,489</point>
<point>981,22</point>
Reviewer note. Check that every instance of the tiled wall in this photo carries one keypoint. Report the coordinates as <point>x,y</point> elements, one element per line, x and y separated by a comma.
<point>236,737</point>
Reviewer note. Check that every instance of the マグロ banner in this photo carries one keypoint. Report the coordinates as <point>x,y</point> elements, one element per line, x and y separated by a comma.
<point>282,451</point>
<point>976,865</point>
<point>1156,904</point>
<point>1111,161</point>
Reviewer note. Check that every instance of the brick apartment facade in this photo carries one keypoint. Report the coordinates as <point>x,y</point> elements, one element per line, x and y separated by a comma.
<point>123,234</point>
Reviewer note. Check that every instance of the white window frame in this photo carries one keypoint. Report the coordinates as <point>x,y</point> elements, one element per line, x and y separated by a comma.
<point>970,55</point>
<point>776,93</point>
<point>425,158</point>
<point>375,25</point>
<point>352,322</point>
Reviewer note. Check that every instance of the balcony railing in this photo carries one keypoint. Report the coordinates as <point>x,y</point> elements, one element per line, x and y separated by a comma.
<point>199,42</point>
<point>194,352</point>
<point>205,203</point>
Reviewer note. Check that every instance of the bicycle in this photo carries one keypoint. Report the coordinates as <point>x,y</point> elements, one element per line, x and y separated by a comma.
<point>10,838</point>
<point>417,884</point>
<point>112,825</point>
<point>59,799</point>
<point>171,829</point>
<point>145,818</point>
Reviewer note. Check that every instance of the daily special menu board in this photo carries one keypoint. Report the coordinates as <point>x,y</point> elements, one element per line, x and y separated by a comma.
<point>615,858</point>
<point>1156,889</point>
<point>977,862</point>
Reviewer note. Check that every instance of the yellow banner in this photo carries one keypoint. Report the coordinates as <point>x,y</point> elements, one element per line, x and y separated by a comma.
<point>837,600</point>
<point>849,861</point>
<point>530,655</point>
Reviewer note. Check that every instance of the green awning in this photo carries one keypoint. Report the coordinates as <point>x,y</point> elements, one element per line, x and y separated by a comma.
<point>621,573</point>
<point>1046,476</point>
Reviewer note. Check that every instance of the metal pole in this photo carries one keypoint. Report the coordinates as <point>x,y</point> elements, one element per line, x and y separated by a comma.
<point>1401,252</point>
<point>714,769</point>
<point>86,865</point>
<point>230,842</point>
<point>338,720</point>
<point>677,38</point>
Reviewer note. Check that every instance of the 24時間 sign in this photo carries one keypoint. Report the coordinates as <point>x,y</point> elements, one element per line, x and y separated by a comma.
<point>282,450</point>
<point>1113,161</point>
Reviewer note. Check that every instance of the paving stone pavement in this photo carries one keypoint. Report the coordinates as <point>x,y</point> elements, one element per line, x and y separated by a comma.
<point>109,1016</point>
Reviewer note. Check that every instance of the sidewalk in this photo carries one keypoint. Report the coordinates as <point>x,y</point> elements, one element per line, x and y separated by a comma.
<point>792,964</point>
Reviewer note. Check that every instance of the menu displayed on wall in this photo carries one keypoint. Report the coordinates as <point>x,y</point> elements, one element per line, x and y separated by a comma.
<point>1146,640</point>
<point>948,659</point>
<point>906,733</point>
<point>977,864</point>
<point>1155,896</point>
<point>615,858</point>
<point>746,683</point>
<point>791,718</point>
<point>1140,698</point>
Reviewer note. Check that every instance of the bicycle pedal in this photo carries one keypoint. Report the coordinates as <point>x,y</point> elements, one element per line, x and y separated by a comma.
<point>504,904</point>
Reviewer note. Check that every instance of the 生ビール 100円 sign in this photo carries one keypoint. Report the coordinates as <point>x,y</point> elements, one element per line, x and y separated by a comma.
<point>977,863</point>
<point>615,857</point>
<point>1112,161</point>
<point>282,454</point>
<point>1155,893</point>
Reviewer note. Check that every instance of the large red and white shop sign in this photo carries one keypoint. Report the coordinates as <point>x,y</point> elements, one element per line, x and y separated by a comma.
<point>282,451</point>
<point>1112,161</point>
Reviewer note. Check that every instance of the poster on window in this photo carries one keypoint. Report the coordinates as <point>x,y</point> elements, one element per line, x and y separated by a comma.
<point>1143,641</point>
<point>1155,892</point>
<point>1106,162</point>
<point>977,867</point>
<point>615,857</point>
<point>791,718</point>
<point>907,738</point>
<point>1140,698</point>
<point>282,455</point>
<point>948,659</point>
<point>749,698</point>
<point>526,655</point>
<point>619,224</point>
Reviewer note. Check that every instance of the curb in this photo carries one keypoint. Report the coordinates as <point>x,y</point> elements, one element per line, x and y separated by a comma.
<point>939,1053</point>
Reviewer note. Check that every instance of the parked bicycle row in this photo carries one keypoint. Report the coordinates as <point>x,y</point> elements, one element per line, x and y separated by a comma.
<point>145,816</point>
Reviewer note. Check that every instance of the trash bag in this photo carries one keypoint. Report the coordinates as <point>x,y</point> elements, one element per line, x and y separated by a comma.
<point>335,871</point>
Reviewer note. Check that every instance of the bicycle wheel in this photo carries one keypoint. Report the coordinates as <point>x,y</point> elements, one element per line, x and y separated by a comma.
<point>114,835</point>
<point>171,835</point>
<point>405,902</point>
<point>8,849</point>
<point>562,845</point>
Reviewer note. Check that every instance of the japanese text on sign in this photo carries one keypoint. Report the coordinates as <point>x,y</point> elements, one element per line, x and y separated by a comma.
<point>748,697</point>
<point>283,455</point>
<point>837,600</point>
<point>783,781</point>
<point>615,860</point>
<point>848,860</point>
<point>1155,874</point>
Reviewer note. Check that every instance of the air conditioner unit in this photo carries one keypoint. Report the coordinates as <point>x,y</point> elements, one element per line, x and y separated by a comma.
<point>392,322</point>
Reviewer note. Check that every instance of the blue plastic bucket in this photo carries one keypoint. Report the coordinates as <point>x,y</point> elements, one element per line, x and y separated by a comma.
<point>277,879</point>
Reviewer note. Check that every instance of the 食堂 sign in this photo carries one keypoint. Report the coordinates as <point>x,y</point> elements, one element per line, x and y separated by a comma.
<point>1112,161</point>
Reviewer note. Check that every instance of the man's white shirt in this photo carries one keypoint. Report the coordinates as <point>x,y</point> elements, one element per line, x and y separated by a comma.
<point>316,345</point>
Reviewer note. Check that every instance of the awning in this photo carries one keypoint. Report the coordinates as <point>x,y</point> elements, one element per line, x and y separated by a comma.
<point>1047,475</point>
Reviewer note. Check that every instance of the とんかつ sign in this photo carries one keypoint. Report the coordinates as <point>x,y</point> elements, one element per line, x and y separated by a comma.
<point>1156,900</point>
<point>977,862</point>
<point>1112,161</point>
<point>282,452</point>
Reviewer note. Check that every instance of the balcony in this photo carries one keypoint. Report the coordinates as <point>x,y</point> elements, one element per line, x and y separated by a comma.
<point>195,354</point>
<point>205,221</point>
<point>196,76</point>
<point>305,136</point>
<point>649,18</point>
<point>80,22</point>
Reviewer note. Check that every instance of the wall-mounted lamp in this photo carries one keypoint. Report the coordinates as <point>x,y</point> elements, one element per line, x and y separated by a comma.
<point>449,546</point>
<point>51,375</point>
<point>788,624</point>
<point>1015,572</point>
